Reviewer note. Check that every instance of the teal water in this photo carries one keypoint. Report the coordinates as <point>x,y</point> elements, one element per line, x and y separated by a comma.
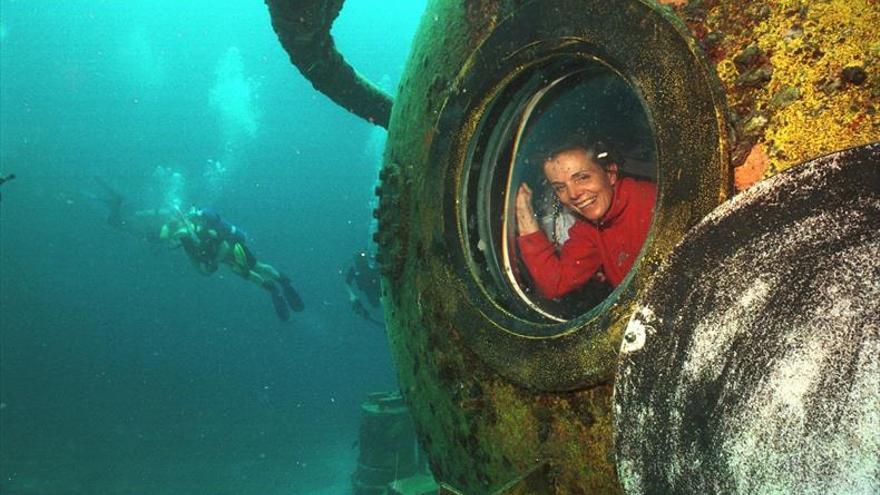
<point>123,370</point>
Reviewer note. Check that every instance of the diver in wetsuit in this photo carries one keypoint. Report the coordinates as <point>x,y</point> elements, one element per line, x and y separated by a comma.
<point>363,278</point>
<point>210,241</point>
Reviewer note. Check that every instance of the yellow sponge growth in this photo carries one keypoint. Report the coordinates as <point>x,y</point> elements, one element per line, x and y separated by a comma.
<point>809,44</point>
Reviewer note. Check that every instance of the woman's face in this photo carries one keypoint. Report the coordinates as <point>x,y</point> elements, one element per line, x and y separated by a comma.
<point>581,184</point>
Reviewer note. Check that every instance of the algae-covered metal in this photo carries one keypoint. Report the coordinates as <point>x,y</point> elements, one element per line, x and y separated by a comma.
<point>491,401</point>
<point>757,87</point>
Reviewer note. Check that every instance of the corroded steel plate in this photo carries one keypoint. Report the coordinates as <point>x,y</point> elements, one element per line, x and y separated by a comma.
<point>751,364</point>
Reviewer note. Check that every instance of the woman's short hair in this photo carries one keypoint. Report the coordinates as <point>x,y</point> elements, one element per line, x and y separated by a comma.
<point>596,150</point>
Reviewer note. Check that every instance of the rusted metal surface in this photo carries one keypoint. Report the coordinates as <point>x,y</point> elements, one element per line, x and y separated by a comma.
<point>752,362</point>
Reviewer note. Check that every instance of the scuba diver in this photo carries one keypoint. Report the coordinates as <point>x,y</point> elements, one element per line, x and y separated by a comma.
<point>209,241</point>
<point>363,277</point>
<point>6,178</point>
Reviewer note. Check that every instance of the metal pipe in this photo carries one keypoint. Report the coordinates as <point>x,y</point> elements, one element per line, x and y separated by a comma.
<point>303,28</point>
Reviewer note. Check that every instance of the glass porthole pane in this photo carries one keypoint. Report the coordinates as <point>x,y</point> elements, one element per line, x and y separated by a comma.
<point>573,141</point>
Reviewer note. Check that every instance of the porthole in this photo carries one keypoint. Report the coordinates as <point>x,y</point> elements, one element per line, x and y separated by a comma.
<point>564,106</point>
<point>624,74</point>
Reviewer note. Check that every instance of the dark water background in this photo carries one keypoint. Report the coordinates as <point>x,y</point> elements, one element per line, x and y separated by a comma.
<point>122,370</point>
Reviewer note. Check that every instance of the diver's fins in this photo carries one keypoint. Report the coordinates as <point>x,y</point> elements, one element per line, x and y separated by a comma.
<point>291,295</point>
<point>278,301</point>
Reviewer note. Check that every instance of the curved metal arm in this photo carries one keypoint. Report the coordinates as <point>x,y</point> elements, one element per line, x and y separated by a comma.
<point>303,27</point>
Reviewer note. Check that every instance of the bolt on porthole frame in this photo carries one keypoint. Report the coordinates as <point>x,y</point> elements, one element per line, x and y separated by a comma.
<point>563,100</point>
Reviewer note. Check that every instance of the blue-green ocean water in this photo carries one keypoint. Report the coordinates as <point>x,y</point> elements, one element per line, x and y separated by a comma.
<point>122,369</point>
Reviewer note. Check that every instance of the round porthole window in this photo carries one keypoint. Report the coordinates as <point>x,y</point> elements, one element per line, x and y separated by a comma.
<point>570,152</point>
<point>563,185</point>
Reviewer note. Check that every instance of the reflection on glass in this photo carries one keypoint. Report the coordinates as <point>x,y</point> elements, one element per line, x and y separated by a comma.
<point>580,193</point>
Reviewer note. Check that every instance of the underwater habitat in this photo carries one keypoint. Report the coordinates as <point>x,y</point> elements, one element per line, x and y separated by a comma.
<point>439,247</point>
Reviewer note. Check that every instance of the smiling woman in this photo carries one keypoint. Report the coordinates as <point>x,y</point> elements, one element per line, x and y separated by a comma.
<point>573,213</point>
<point>609,217</point>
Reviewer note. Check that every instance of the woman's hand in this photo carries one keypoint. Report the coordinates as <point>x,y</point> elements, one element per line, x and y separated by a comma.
<point>526,223</point>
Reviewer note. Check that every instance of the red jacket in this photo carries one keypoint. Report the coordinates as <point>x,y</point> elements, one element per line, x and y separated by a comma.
<point>613,244</point>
